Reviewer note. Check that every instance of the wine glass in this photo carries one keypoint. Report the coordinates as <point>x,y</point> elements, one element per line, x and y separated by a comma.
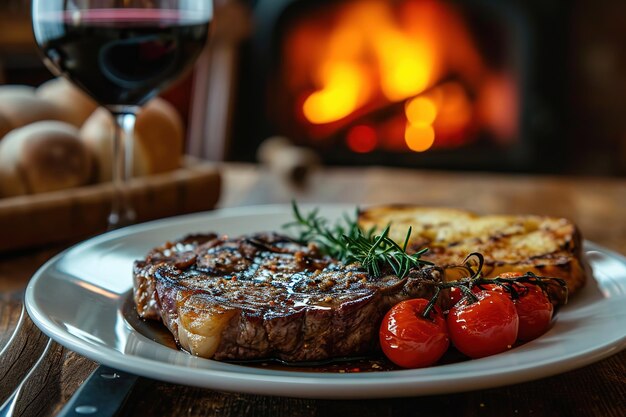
<point>122,53</point>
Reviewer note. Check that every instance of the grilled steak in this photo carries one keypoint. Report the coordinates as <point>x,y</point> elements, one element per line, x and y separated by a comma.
<point>266,296</point>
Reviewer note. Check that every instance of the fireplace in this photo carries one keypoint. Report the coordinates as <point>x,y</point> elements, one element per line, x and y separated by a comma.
<point>418,83</point>
<point>374,79</point>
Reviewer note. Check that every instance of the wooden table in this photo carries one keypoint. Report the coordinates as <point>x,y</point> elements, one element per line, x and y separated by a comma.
<point>596,205</point>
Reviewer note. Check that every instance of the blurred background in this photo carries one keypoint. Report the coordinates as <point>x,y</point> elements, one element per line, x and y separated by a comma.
<point>532,86</point>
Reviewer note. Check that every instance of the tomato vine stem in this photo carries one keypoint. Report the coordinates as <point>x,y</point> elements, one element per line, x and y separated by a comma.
<point>476,280</point>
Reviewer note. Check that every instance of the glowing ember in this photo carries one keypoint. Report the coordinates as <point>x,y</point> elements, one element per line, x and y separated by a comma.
<point>419,138</point>
<point>421,111</point>
<point>362,139</point>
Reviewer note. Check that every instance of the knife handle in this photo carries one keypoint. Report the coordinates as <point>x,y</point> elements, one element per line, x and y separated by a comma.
<point>102,395</point>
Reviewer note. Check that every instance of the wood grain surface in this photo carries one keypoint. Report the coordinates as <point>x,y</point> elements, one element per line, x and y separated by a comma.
<point>596,205</point>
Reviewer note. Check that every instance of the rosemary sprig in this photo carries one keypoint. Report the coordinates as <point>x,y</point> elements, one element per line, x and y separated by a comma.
<point>348,243</point>
<point>376,251</point>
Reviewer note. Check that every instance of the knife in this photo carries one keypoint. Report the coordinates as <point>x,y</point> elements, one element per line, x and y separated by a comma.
<point>103,394</point>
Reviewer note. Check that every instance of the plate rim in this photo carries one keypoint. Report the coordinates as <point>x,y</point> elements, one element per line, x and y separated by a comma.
<point>321,386</point>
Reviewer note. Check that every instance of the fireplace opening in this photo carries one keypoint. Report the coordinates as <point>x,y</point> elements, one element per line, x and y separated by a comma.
<point>370,76</point>
<point>494,85</point>
<point>415,83</point>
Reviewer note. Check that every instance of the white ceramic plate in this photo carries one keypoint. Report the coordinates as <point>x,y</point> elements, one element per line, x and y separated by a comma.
<point>81,299</point>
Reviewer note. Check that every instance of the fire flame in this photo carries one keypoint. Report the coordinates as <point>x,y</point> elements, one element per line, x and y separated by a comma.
<point>368,54</point>
<point>344,85</point>
<point>365,43</point>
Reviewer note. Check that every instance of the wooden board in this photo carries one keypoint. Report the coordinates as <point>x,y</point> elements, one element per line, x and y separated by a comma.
<point>74,214</point>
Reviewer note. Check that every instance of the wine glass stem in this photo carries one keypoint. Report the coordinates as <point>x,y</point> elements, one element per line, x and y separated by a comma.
<point>122,213</point>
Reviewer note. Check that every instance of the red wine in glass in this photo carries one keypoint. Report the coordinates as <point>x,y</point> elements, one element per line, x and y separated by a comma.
<point>122,53</point>
<point>122,57</point>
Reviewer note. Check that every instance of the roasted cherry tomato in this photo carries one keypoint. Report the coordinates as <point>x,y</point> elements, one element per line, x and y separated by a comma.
<point>532,304</point>
<point>411,341</point>
<point>534,309</point>
<point>484,327</point>
<point>456,294</point>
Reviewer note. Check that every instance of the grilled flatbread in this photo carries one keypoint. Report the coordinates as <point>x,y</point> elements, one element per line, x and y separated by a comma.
<point>546,246</point>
